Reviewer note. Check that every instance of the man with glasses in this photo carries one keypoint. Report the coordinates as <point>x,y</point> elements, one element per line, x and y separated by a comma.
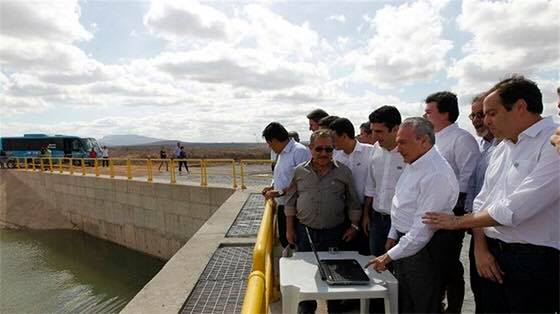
<point>320,196</point>
<point>487,143</point>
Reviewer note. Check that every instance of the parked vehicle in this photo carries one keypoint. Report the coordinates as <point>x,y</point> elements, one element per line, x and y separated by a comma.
<point>42,145</point>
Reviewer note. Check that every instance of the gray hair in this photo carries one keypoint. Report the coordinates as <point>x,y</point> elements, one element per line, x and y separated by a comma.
<point>321,133</point>
<point>421,127</point>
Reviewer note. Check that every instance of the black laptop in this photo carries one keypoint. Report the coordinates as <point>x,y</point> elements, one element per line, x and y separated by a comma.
<point>339,271</point>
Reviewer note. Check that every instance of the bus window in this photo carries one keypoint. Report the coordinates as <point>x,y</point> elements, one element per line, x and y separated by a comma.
<point>76,145</point>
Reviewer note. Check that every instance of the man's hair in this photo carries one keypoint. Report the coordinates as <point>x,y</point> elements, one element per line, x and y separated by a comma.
<point>446,102</point>
<point>558,90</point>
<point>294,135</point>
<point>479,98</point>
<point>388,115</point>
<point>325,122</point>
<point>518,87</point>
<point>366,127</point>
<point>343,126</point>
<point>317,114</point>
<point>421,127</point>
<point>275,130</point>
<point>321,133</point>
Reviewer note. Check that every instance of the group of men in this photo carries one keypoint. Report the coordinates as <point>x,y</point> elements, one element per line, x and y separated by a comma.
<point>411,197</point>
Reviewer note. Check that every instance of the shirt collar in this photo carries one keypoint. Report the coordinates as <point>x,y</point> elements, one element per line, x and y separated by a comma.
<point>359,147</point>
<point>288,148</point>
<point>308,163</point>
<point>535,129</point>
<point>420,162</point>
<point>447,129</point>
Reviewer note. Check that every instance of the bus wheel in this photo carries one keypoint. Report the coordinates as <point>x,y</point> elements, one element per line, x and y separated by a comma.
<point>11,164</point>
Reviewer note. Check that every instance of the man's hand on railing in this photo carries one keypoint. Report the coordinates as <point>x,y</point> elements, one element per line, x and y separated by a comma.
<point>268,188</point>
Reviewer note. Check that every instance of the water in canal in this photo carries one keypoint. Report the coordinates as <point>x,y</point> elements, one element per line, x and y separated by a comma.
<point>68,272</point>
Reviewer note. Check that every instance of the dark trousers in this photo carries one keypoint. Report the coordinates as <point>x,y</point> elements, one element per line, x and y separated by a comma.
<point>475,280</point>
<point>183,162</point>
<point>281,221</point>
<point>453,271</point>
<point>531,279</point>
<point>105,162</point>
<point>379,225</point>
<point>323,239</point>
<point>420,278</point>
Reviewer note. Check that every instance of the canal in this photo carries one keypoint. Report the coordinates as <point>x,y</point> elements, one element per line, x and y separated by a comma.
<point>68,272</point>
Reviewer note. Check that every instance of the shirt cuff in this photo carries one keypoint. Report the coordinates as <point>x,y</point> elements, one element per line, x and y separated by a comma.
<point>393,234</point>
<point>501,213</point>
<point>395,252</point>
<point>289,211</point>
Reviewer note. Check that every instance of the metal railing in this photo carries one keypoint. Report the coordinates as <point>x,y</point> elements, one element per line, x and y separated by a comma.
<point>260,286</point>
<point>150,169</point>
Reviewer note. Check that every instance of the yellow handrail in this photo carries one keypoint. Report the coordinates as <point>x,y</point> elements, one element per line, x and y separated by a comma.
<point>129,167</point>
<point>256,298</point>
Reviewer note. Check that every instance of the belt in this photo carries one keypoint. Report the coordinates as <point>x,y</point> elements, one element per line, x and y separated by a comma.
<point>521,248</point>
<point>381,216</point>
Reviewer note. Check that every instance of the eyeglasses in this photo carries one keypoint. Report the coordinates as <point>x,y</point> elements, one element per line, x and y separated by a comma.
<point>479,115</point>
<point>327,149</point>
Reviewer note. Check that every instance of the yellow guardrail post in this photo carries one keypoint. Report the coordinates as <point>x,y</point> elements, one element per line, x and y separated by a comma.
<point>17,162</point>
<point>173,180</point>
<point>83,162</point>
<point>150,175</point>
<point>33,164</point>
<point>41,164</point>
<point>234,175</point>
<point>128,169</point>
<point>50,165</point>
<point>242,170</point>
<point>96,167</point>
<point>60,162</point>
<point>202,171</point>
<point>71,165</point>
<point>25,163</point>
<point>255,286</point>
<point>111,169</point>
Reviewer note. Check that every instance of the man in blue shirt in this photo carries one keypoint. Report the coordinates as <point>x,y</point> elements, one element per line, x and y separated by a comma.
<point>289,154</point>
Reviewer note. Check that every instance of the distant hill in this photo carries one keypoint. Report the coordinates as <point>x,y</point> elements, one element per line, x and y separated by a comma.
<point>127,140</point>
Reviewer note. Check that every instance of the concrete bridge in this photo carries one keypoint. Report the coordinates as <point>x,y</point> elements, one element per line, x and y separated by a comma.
<point>206,234</point>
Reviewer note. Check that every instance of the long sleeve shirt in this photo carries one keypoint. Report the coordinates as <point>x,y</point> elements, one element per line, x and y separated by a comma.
<point>321,202</point>
<point>428,184</point>
<point>292,155</point>
<point>477,178</point>
<point>521,189</point>
<point>359,161</point>
<point>461,151</point>
<point>384,173</point>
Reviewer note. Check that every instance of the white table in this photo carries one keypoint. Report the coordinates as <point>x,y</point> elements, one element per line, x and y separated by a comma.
<point>300,280</point>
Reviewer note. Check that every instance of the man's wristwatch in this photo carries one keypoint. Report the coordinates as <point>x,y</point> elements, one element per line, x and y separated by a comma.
<point>355,227</point>
<point>281,193</point>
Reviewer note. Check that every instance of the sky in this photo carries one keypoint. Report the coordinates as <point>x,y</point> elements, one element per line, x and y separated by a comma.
<point>220,71</point>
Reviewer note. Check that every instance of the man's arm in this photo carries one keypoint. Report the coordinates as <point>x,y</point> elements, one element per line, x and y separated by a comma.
<point>451,222</point>
<point>486,265</point>
<point>365,215</point>
<point>467,154</point>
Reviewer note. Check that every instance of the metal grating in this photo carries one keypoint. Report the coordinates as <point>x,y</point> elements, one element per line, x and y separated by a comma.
<point>221,286</point>
<point>249,218</point>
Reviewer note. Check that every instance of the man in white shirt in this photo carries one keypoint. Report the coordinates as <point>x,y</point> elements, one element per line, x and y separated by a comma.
<point>385,170</point>
<point>289,154</point>
<point>356,156</point>
<point>461,151</point>
<point>427,182</point>
<point>519,204</point>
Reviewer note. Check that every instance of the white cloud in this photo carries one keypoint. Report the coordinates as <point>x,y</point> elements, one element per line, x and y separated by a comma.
<point>407,47</point>
<point>337,18</point>
<point>42,20</point>
<point>178,20</point>
<point>508,37</point>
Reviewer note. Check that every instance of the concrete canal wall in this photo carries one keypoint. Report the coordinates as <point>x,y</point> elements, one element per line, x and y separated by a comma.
<point>154,218</point>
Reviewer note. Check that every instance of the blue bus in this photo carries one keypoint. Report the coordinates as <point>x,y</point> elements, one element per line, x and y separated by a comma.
<point>30,145</point>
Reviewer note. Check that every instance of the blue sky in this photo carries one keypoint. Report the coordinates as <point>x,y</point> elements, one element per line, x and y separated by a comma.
<point>220,71</point>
